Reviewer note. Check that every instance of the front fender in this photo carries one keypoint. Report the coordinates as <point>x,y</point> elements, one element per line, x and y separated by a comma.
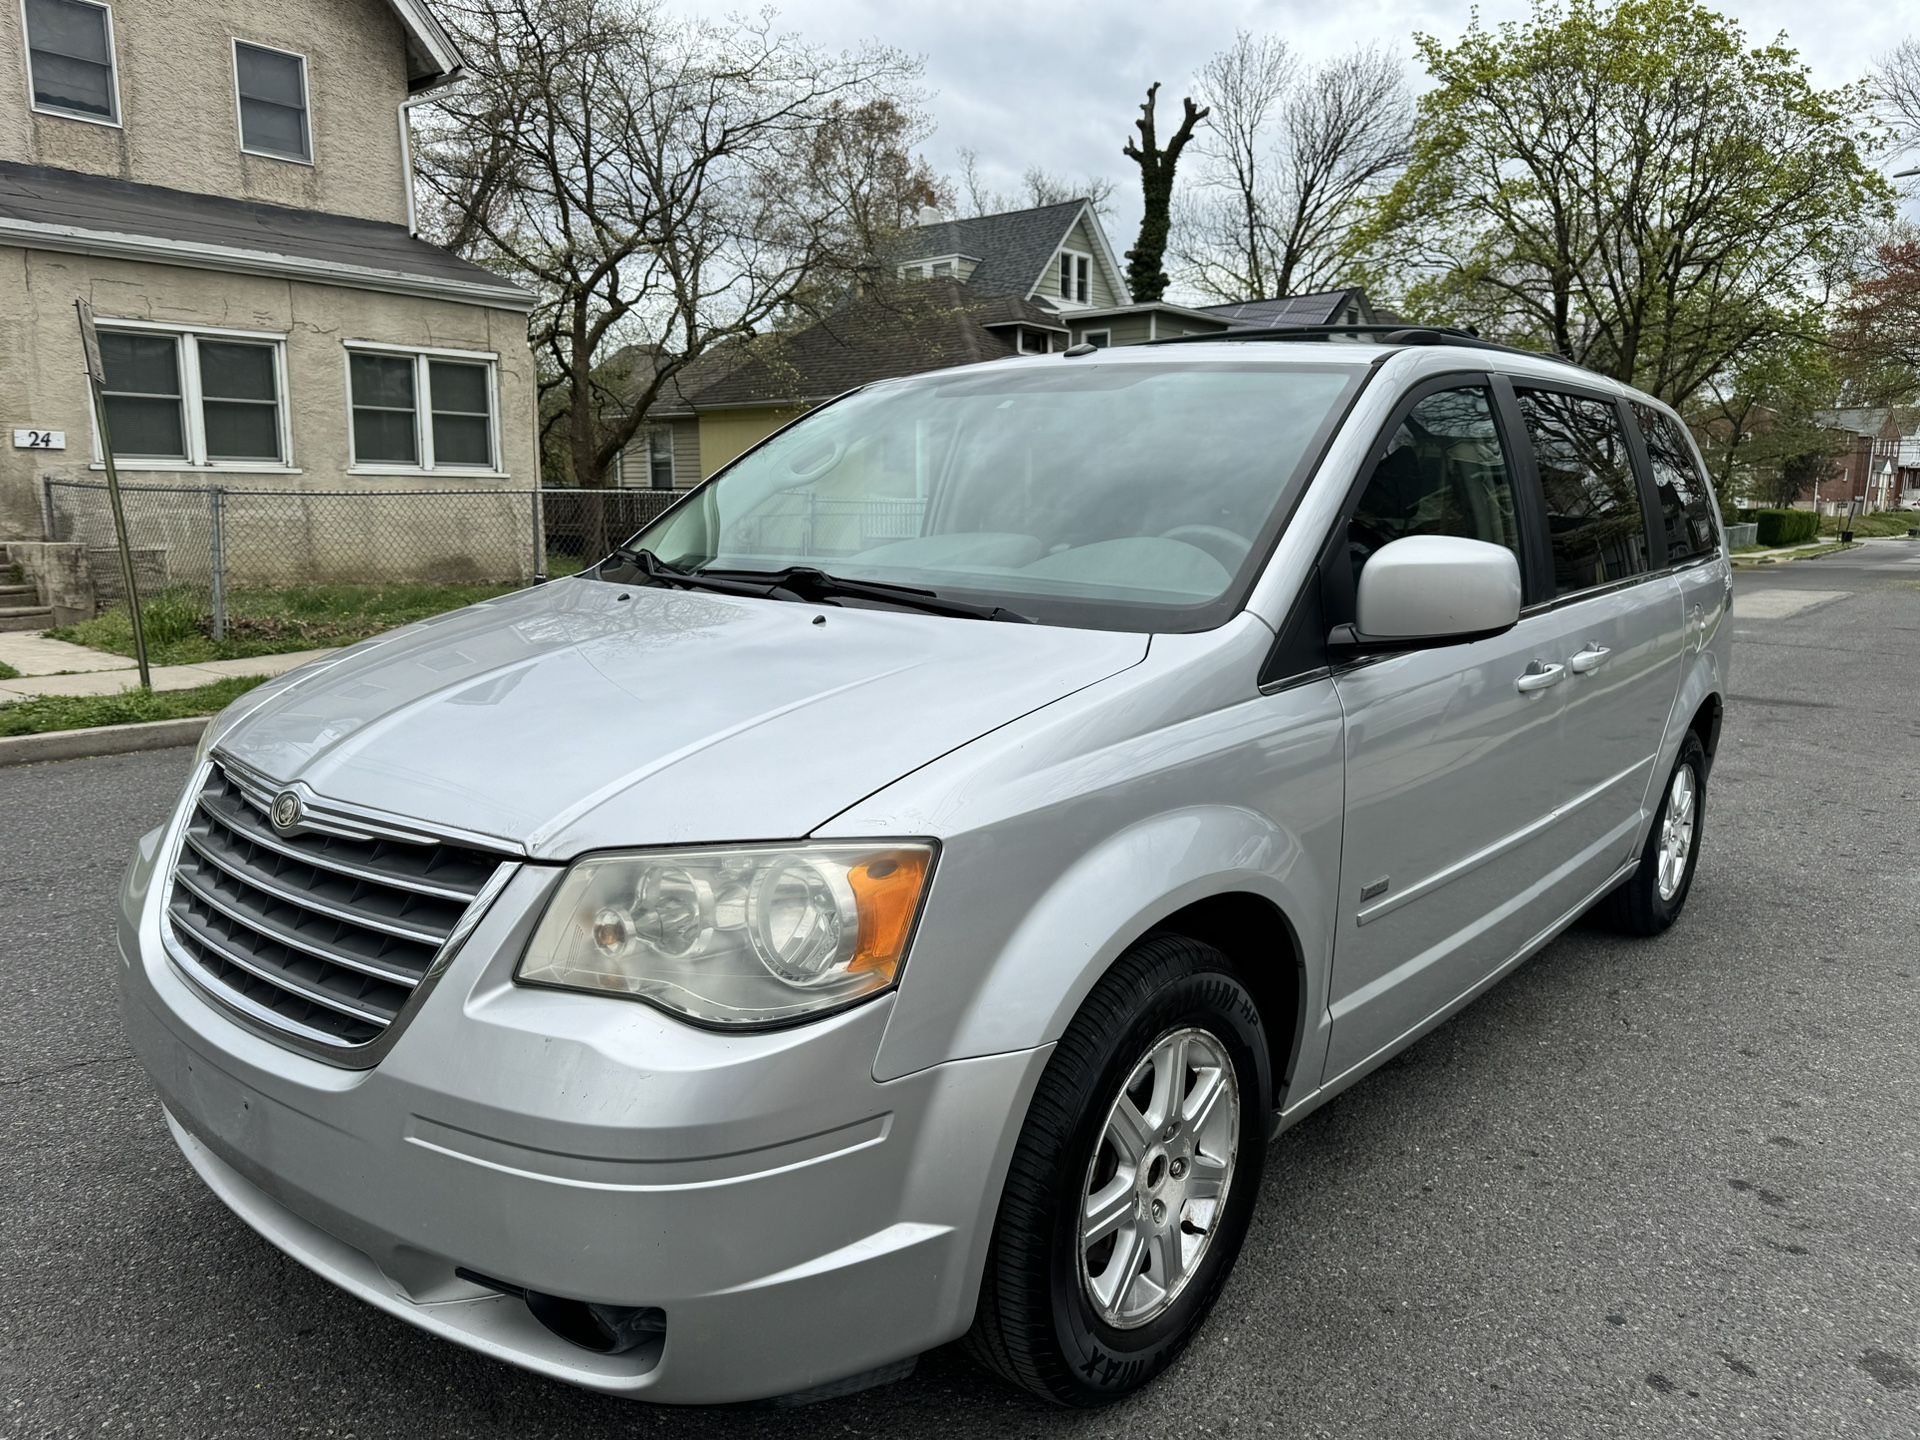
<point>1068,837</point>
<point>1039,974</point>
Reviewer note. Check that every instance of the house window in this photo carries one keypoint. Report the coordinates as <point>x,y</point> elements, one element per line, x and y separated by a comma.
<point>192,399</point>
<point>70,51</point>
<point>1076,276</point>
<point>1034,342</point>
<point>660,458</point>
<point>422,410</point>
<point>1099,339</point>
<point>272,86</point>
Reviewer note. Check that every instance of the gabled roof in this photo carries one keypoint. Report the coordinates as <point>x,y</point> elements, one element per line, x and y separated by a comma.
<point>1015,248</point>
<point>1292,311</point>
<point>432,57</point>
<point>63,210</point>
<point>904,329</point>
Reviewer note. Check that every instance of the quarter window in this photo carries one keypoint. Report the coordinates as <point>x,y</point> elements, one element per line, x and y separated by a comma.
<point>273,102</point>
<point>421,412</point>
<point>1686,505</point>
<point>1444,472</point>
<point>70,51</point>
<point>193,399</point>
<point>1594,517</point>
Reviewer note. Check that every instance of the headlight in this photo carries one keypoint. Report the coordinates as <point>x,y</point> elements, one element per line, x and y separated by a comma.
<point>734,936</point>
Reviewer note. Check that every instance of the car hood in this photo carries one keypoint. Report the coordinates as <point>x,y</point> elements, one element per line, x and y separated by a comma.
<point>583,715</point>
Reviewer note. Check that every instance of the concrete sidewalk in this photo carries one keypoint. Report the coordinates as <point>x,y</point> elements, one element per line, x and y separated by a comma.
<point>53,667</point>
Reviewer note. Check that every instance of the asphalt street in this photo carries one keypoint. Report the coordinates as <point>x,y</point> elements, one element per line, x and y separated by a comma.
<point>1641,1189</point>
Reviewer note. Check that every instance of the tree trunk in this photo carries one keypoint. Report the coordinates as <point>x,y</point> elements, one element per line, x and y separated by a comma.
<point>1146,261</point>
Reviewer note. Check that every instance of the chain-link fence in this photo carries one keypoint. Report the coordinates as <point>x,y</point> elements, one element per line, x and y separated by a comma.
<point>203,544</point>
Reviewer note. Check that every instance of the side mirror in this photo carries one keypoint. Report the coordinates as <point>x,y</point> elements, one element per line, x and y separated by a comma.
<point>1430,590</point>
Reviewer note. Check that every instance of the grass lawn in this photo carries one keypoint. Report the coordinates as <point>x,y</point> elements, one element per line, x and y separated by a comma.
<point>7,672</point>
<point>84,712</point>
<point>1886,522</point>
<point>270,622</point>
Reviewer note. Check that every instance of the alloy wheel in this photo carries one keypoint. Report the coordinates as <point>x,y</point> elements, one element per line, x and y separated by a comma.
<point>1159,1177</point>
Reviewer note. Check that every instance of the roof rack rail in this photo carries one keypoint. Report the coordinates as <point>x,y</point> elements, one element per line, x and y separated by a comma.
<point>1383,334</point>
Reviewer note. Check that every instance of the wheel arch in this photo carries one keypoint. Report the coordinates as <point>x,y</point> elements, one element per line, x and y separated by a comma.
<point>1244,926</point>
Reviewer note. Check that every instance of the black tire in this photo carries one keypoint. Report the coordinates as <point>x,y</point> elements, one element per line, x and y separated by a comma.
<point>1035,1325</point>
<point>1637,907</point>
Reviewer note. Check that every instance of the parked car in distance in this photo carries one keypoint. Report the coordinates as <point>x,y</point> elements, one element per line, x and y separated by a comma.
<point>738,969</point>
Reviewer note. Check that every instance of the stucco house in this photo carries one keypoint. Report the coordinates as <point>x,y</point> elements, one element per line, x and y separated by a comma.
<point>1022,282</point>
<point>229,183</point>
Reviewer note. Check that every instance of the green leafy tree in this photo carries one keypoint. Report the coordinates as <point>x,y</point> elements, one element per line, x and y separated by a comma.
<point>1631,185</point>
<point>1759,422</point>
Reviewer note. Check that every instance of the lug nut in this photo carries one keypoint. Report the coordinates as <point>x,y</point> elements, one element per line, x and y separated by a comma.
<point>1179,1168</point>
<point>1159,1212</point>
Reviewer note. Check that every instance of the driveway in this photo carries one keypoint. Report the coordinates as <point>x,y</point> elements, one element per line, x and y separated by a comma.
<point>1641,1189</point>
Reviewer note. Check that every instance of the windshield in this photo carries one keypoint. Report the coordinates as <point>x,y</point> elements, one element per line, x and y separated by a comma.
<point>1129,495</point>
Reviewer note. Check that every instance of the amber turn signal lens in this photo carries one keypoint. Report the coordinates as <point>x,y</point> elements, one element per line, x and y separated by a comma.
<point>886,889</point>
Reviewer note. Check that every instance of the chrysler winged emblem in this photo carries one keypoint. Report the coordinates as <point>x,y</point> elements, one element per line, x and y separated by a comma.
<point>286,810</point>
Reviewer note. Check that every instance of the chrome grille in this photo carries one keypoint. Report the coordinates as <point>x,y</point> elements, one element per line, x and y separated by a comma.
<point>323,931</point>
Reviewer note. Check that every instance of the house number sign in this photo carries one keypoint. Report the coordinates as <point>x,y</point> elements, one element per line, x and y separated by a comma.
<point>39,439</point>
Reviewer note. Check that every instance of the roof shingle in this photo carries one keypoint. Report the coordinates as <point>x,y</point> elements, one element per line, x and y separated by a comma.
<point>902,330</point>
<point>1013,248</point>
<point>95,205</point>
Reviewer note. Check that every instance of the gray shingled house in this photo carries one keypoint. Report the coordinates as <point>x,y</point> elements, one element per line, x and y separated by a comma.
<point>1019,283</point>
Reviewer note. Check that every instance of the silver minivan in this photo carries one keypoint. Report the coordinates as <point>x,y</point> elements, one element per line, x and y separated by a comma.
<point>899,893</point>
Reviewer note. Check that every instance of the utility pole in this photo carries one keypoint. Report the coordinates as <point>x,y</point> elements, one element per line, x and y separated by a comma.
<point>96,386</point>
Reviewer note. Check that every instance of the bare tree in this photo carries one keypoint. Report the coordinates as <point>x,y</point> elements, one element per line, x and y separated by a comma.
<point>1146,261</point>
<point>1292,157</point>
<point>1897,79</point>
<point>1039,186</point>
<point>665,185</point>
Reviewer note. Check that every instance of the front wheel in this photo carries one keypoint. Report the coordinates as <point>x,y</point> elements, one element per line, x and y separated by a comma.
<point>1652,897</point>
<point>1134,1180</point>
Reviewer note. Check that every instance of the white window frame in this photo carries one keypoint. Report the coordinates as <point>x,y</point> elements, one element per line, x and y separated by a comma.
<point>192,401</point>
<point>113,64</point>
<point>1082,276</point>
<point>924,269</point>
<point>1106,338</point>
<point>239,105</point>
<point>422,357</point>
<point>1046,342</point>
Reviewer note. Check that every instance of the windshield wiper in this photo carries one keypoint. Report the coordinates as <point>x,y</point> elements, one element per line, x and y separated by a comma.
<point>807,583</point>
<point>659,572</point>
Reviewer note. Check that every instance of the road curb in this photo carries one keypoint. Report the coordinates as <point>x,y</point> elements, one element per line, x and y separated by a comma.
<point>101,740</point>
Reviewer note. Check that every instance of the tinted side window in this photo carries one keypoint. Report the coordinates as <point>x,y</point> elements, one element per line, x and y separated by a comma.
<point>1685,508</point>
<point>1594,518</point>
<point>1444,473</point>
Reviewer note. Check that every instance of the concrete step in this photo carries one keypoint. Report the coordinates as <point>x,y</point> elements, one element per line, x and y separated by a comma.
<point>37,617</point>
<point>14,596</point>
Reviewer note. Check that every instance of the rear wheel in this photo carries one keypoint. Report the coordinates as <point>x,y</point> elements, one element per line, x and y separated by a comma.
<point>1134,1180</point>
<point>1652,897</point>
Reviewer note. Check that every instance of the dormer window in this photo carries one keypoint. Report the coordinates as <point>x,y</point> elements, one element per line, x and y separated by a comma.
<point>272,87</point>
<point>1076,276</point>
<point>70,51</point>
<point>937,267</point>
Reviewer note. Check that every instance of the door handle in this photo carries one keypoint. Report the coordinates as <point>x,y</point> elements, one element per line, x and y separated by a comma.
<point>1538,677</point>
<point>1586,661</point>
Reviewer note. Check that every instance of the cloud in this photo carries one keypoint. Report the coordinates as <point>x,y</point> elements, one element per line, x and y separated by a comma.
<point>1057,83</point>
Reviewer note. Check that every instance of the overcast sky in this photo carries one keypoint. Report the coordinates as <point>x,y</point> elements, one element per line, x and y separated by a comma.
<point>1056,82</point>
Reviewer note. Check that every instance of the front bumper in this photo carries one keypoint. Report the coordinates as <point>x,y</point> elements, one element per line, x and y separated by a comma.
<point>797,1222</point>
